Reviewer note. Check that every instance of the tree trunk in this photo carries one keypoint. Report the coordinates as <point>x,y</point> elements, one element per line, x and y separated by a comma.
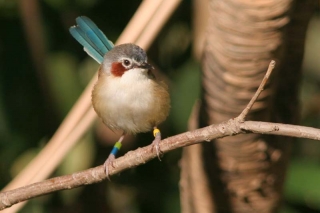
<point>245,173</point>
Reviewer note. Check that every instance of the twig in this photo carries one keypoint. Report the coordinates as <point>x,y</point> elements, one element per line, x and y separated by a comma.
<point>158,19</point>
<point>145,154</point>
<point>139,21</point>
<point>31,19</point>
<point>246,110</point>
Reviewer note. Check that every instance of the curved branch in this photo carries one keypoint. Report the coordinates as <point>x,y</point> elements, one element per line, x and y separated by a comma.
<point>145,154</point>
<point>140,156</point>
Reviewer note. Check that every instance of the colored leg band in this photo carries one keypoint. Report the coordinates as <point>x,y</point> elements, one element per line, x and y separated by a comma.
<point>156,131</point>
<point>116,148</point>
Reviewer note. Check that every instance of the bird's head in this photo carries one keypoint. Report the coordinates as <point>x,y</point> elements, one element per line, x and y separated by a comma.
<point>124,58</point>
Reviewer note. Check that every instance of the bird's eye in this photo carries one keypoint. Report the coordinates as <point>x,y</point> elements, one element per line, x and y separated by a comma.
<point>126,62</point>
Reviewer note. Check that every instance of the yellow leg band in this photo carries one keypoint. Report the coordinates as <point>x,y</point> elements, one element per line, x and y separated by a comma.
<point>156,131</point>
<point>118,145</point>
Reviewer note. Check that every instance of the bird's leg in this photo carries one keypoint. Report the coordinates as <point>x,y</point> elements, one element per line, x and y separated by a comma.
<point>155,142</point>
<point>112,155</point>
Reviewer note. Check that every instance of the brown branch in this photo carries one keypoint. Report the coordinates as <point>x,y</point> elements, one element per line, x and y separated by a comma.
<point>31,19</point>
<point>246,110</point>
<point>145,154</point>
<point>142,155</point>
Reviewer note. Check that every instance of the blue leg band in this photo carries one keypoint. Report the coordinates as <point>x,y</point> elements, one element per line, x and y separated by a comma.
<point>116,148</point>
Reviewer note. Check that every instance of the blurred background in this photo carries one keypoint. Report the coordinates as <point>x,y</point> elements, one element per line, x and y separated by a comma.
<point>43,70</point>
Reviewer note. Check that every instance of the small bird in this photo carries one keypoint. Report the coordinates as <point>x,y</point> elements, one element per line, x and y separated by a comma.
<point>127,96</point>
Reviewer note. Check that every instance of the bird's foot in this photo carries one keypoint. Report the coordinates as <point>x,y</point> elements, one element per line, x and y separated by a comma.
<point>108,162</point>
<point>156,141</point>
<point>112,156</point>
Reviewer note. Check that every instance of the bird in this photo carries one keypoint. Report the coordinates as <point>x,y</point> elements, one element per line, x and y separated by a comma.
<point>127,96</point>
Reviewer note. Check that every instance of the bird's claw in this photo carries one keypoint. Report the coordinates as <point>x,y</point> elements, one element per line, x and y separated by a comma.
<point>108,162</point>
<point>155,144</point>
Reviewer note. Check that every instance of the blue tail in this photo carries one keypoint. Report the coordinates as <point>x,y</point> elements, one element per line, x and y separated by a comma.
<point>95,43</point>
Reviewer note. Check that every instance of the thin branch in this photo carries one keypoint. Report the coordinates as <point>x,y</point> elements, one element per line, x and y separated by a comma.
<point>31,18</point>
<point>139,21</point>
<point>142,155</point>
<point>145,154</point>
<point>159,18</point>
<point>280,129</point>
<point>246,110</point>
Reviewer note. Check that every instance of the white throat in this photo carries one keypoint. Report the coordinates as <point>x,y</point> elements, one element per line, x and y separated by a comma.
<point>133,85</point>
<point>134,75</point>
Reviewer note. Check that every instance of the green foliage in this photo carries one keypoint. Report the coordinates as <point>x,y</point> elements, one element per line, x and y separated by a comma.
<point>8,8</point>
<point>64,80</point>
<point>186,81</point>
<point>302,185</point>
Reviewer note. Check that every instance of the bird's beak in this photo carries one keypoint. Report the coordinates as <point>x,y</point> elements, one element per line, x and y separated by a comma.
<point>146,66</point>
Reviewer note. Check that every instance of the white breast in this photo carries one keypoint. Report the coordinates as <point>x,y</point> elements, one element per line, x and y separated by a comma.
<point>125,102</point>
